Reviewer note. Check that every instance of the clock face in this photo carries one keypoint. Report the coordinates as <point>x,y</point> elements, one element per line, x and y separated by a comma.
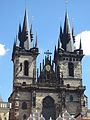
<point>48,67</point>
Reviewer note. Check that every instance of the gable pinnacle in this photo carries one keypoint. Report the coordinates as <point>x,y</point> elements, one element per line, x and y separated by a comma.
<point>73,36</point>
<point>17,42</point>
<point>31,34</point>
<point>55,51</point>
<point>36,44</point>
<point>58,44</point>
<point>19,32</point>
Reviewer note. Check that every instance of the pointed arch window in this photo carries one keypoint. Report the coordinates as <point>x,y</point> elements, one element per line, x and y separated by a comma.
<point>84,103</point>
<point>48,108</point>
<point>24,117</point>
<point>26,68</point>
<point>24,105</point>
<point>71,69</point>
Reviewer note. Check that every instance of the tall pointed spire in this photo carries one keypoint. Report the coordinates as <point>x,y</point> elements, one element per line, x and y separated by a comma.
<point>24,35</point>
<point>66,29</point>
<point>60,32</point>
<point>25,22</point>
<point>66,37</point>
<point>73,36</point>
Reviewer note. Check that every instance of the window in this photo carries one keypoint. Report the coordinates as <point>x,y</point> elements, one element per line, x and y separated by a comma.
<point>24,105</point>
<point>73,59</point>
<point>34,99</point>
<point>49,108</point>
<point>20,66</point>
<point>26,68</point>
<point>71,98</point>
<point>66,58</point>
<point>71,69</point>
<point>77,59</point>
<point>24,83</point>
<point>84,103</point>
<point>24,117</point>
<point>70,59</point>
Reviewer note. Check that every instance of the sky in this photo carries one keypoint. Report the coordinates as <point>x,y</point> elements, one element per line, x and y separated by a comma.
<point>46,16</point>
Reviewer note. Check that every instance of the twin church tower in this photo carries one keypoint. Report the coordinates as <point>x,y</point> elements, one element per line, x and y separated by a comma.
<point>56,86</point>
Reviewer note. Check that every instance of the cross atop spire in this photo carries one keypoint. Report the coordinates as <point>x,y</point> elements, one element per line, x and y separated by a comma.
<point>47,53</point>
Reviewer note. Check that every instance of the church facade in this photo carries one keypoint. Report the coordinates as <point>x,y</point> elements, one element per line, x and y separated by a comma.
<point>57,86</point>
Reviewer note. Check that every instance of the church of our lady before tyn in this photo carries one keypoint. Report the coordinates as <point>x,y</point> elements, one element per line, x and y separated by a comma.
<point>53,88</point>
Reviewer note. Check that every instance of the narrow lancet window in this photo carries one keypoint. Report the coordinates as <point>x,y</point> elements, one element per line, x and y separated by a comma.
<point>26,68</point>
<point>71,69</point>
<point>24,117</point>
<point>24,105</point>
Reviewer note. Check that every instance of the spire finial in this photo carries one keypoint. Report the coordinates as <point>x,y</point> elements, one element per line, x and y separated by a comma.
<point>25,4</point>
<point>80,46</point>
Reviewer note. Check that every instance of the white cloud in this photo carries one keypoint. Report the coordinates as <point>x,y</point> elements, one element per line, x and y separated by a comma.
<point>3,50</point>
<point>85,39</point>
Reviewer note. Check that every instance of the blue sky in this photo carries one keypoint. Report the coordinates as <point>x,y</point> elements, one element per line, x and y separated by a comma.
<point>46,17</point>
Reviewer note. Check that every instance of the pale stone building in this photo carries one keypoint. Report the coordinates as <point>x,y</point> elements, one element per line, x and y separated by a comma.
<point>4,110</point>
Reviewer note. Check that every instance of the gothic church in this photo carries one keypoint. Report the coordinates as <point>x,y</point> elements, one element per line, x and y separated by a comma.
<point>56,86</point>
